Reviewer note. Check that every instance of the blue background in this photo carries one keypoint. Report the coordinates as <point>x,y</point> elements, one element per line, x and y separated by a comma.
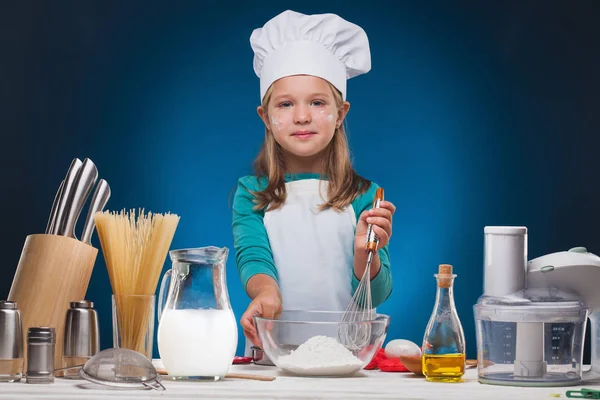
<point>475,113</point>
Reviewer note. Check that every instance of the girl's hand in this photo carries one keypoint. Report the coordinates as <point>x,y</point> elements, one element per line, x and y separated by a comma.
<point>267,305</point>
<point>381,219</point>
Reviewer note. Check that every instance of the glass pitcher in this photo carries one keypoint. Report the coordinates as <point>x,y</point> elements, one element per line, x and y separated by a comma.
<point>197,330</point>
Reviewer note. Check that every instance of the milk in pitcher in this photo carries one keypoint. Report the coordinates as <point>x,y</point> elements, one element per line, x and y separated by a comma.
<point>197,342</point>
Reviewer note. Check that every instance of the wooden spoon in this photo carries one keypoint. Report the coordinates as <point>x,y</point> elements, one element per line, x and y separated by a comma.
<point>163,371</point>
<point>251,377</point>
<point>412,363</point>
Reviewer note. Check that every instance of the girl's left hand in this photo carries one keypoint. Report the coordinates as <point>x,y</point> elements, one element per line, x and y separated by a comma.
<point>381,219</point>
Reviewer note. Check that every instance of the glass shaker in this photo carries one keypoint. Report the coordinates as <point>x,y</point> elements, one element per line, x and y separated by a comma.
<point>81,337</point>
<point>443,349</point>
<point>11,342</point>
<point>40,354</point>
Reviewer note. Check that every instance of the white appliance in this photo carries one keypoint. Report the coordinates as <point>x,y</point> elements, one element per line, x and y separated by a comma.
<point>531,319</point>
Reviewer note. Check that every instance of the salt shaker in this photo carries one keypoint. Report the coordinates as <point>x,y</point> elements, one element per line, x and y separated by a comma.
<point>40,354</point>
<point>81,339</point>
<point>11,342</point>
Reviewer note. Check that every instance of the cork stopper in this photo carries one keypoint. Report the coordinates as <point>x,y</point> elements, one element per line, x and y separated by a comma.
<point>445,269</point>
<point>445,276</point>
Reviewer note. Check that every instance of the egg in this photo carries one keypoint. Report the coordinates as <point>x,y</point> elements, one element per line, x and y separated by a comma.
<point>401,347</point>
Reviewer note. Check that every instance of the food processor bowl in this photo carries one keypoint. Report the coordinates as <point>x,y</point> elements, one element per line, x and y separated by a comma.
<point>532,338</point>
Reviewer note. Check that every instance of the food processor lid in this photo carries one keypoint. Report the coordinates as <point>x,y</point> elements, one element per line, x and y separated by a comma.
<point>506,230</point>
<point>532,305</point>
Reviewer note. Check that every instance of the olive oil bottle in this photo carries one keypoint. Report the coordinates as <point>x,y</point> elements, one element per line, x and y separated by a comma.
<point>443,348</point>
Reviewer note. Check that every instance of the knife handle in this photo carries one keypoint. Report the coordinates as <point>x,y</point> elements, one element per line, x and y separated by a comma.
<point>99,200</point>
<point>52,218</point>
<point>76,197</point>
<point>63,202</point>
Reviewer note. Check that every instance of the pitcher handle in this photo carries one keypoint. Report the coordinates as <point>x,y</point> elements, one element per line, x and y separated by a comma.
<point>161,293</point>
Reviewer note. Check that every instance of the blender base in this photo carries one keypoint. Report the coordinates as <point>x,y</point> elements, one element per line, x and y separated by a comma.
<point>549,380</point>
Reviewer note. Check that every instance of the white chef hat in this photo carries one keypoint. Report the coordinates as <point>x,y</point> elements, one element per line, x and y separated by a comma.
<point>323,45</point>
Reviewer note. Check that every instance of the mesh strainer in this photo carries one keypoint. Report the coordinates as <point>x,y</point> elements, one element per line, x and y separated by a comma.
<point>121,368</point>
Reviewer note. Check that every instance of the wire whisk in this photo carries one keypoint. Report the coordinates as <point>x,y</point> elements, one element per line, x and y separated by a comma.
<point>352,333</point>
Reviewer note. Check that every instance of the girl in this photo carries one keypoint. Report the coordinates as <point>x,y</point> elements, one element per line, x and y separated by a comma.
<point>300,223</point>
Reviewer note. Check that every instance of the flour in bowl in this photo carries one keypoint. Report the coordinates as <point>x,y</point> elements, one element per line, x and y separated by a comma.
<point>321,355</point>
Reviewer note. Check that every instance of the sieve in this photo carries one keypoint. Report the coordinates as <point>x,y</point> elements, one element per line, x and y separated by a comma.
<point>121,368</point>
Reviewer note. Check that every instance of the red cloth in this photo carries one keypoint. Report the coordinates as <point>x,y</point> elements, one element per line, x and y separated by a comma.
<point>377,357</point>
<point>392,365</point>
<point>383,363</point>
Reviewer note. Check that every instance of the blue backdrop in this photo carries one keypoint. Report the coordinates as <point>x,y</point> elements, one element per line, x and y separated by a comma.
<point>474,113</point>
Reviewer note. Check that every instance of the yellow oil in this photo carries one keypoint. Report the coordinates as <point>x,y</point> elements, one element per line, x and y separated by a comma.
<point>444,367</point>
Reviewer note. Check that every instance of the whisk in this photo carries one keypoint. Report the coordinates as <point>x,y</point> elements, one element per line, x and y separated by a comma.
<point>353,334</point>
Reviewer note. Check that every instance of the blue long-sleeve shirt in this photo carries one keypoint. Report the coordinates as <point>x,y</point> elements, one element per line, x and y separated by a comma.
<point>251,242</point>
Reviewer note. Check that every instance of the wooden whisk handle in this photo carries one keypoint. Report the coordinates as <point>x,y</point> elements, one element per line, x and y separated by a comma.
<point>372,239</point>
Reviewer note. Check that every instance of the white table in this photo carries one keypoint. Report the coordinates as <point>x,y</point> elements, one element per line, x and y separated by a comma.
<point>367,385</point>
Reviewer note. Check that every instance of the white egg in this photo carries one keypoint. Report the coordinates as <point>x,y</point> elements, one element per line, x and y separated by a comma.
<point>401,347</point>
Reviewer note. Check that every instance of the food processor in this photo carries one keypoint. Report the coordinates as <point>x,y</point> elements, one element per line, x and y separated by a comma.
<point>531,319</point>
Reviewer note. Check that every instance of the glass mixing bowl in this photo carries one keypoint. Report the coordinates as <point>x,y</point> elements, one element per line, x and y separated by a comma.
<point>319,343</point>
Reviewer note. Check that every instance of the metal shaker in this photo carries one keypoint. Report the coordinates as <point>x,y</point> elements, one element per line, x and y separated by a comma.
<point>40,354</point>
<point>81,339</point>
<point>11,342</point>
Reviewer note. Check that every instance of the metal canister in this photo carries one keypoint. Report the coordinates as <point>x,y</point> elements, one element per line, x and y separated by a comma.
<point>40,354</point>
<point>11,342</point>
<point>81,339</point>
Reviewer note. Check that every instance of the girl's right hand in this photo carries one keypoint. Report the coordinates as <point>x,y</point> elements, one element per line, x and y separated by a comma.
<point>266,304</point>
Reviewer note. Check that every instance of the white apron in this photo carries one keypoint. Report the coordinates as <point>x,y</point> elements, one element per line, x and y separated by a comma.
<point>313,252</point>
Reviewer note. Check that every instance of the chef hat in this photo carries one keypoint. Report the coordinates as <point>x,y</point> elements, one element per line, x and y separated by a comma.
<point>322,45</point>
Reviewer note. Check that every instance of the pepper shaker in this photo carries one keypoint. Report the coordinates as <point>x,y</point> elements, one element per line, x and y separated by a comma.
<point>11,342</point>
<point>81,339</point>
<point>40,354</point>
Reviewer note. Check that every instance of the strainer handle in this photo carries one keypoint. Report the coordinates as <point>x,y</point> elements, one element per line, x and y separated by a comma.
<point>161,293</point>
<point>156,385</point>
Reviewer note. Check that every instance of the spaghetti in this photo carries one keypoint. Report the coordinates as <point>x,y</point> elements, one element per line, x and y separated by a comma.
<point>134,251</point>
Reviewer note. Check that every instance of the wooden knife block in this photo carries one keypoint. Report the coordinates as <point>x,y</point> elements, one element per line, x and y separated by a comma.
<point>53,271</point>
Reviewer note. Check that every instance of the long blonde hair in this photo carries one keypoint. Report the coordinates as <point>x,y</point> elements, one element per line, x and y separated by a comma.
<point>344,183</point>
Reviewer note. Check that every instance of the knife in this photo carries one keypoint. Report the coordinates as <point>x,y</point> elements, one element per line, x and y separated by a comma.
<point>62,205</point>
<point>99,200</point>
<point>52,218</point>
<point>76,196</point>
